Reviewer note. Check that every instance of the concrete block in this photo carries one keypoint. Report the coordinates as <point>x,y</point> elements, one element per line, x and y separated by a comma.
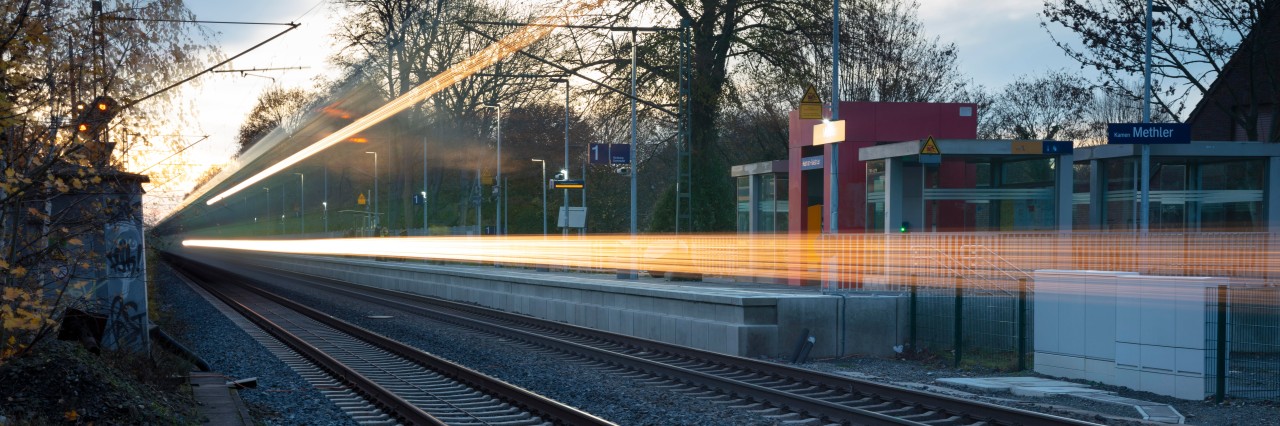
<point>1101,371</point>
<point>1189,361</point>
<point>874,325</point>
<point>1065,373</point>
<point>1191,387</point>
<point>1158,358</point>
<point>1128,354</point>
<point>1071,362</point>
<point>1156,382</point>
<point>1128,377</point>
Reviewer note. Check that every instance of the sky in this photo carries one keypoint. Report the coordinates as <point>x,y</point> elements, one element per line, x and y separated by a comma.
<point>998,41</point>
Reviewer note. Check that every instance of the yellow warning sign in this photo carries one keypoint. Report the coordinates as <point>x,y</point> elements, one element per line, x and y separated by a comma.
<point>810,96</point>
<point>930,147</point>
<point>360,200</point>
<point>1026,147</point>
<point>810,105</point>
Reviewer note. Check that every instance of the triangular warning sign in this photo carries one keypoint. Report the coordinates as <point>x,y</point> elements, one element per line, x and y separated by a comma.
<point>810,96</point>
<point>361,200</point>
<point>930,147</point>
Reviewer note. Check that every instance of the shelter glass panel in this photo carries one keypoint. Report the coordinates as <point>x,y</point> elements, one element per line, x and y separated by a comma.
<point>875,195</point>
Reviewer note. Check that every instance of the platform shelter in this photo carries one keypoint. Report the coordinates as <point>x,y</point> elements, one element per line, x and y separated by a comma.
<point>1200,186</point>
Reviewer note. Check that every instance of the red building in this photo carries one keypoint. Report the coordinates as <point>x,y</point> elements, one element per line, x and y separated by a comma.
<point>867,124</point>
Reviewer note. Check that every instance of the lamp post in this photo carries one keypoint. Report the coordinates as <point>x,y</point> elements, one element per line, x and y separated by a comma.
<point>425,230</point>
<point>326,215</point>
<point>543,184</point>
<point>302,202</point>
<point>498,175</point>
<point>1145,167</point>
<point>835,115</point>
<point>267,217</point>
<point>375,190</point>
<point>565,206</point>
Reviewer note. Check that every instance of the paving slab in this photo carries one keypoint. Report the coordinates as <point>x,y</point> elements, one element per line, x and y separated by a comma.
<point>980,385</point>
<point>1042,391</point>
<point>1040,387</point>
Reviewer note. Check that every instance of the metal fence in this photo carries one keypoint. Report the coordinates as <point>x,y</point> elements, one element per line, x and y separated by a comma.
<point>1249,318</point>
<point>982,283</point>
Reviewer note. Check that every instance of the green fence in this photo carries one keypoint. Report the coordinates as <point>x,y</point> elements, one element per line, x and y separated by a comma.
<point>1249,318</point>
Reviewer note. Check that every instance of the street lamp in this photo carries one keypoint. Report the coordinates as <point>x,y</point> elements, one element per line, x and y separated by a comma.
<point>544,195</point>
<point>375,190</point>
<point>326,215</point>
<point>565,171</point>
<point>835,115</point>
<point>498,178</point>
<point>302,202</point>
<point>267,218</point>
<point>1145,167</point>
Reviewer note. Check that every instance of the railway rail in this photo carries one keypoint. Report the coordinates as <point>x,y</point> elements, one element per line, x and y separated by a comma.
<point>407,384</point>
<point>783,392</point>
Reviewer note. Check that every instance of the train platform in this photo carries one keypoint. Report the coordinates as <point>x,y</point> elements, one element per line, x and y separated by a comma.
<point>750,319</point>
<point>220,405</point>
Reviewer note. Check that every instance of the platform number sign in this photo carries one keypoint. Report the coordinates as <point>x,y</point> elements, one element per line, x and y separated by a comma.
<point>599,153</point>
<point>605,153</point>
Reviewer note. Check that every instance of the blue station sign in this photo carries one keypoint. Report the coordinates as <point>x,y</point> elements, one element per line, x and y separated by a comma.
<point>1148,133</point>
<point>598,153</point>
<point>620,153</point>
<point>811,163</point>
<point>609,153</point>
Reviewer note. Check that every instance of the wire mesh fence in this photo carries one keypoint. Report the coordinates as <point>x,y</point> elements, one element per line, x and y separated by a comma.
<point>1246,328</point>
<point>982,282</point>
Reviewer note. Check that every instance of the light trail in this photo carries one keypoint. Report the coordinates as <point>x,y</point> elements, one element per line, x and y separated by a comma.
<point>868,261</point>
<point>490,55</point>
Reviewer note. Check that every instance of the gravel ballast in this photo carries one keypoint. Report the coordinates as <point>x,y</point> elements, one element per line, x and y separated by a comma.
<point>629,402</point>
<point>282,397</point>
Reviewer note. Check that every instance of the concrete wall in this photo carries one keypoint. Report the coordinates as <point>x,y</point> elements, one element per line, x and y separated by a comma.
<point>744,323</point>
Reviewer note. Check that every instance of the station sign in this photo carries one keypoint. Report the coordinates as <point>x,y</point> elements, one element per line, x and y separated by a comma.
<point>811,163</point>
<point>1148,133</point>
<point>620,153</point>
<point>598,153</point>
<point>1058,147</point>
<point>609,153</point>
<point>828,132</point>
<point>568,184</point>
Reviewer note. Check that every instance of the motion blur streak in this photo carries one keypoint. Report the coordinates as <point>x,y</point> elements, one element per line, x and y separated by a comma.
<point>865,261</point>
<point>522,37</point>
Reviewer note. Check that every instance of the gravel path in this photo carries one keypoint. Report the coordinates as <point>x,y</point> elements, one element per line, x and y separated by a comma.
<point>281,398</point>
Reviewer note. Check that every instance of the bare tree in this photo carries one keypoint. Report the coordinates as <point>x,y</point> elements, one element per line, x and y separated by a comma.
<point>1192,45</point>
<point>1045,107</point>
<point>275,107</point>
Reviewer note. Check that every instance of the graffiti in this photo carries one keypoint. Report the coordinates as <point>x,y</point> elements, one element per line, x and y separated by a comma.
<point>126,325</point>
<point>125,258</point>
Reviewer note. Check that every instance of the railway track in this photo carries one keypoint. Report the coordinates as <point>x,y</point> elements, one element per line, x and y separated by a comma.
<point>783,392</point>
<point>407,385</point>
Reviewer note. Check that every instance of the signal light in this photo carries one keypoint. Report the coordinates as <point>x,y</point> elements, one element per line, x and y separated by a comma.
<point>90,121</point>
<point>904,227</point>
